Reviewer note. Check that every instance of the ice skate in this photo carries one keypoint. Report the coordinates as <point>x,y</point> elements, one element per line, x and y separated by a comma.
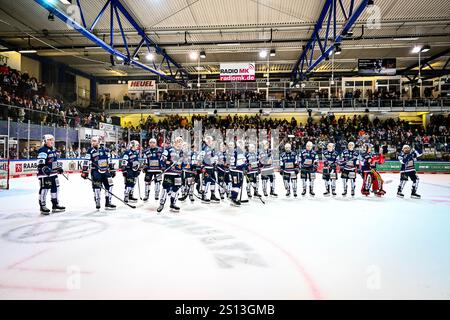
<point>235,203</point>
<point>160,208</point>
<point>183,198</point>
<point>414,195</point>
<point>214,199</point>
<point>205,200</point>
<point>109,205</point>
<point>57,208</point>
<point>44,210</point>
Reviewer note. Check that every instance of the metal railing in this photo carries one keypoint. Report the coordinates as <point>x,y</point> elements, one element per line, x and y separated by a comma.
<point>335,105</point>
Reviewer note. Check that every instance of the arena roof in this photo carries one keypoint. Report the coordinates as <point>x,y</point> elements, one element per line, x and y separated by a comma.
<point>229,30</point>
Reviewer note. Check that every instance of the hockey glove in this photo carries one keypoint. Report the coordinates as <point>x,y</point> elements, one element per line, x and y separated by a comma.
<point>46,170</point>
<point>84,174</point>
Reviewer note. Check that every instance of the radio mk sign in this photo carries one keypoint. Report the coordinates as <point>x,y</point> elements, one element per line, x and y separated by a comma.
<point>238,71</point>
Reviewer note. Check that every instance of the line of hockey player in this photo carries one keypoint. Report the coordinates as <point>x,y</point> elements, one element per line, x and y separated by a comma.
<point>180,171</point>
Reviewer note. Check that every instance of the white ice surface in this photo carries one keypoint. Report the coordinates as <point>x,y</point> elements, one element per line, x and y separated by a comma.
<point>306,248</point>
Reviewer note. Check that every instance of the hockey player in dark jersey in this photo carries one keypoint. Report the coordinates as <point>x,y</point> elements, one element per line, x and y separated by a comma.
<point>308,167</point>
<point>371,178</point>
<point>98,160</point>
<point>348,164</point>
<point>408,159</point>
<point>266,159</point>
<point>152,168</point>
<point>172,159</point>
<point>329,172</point>
<point>223,172</point>
<point>253,171</point>
<point>48,170</point>
<point>189,164</point>
<point>208,159</point>
<point>131,168</point>
<point>238,167</point>
<point>289,169</point>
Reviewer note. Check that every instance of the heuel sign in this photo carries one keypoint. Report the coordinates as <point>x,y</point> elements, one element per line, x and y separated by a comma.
<point>141,85</point>
<point>237,71</point>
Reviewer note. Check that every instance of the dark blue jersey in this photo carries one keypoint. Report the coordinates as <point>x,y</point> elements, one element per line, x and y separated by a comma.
<point>408,161</point>
<point>47,161</point>
<point>222,160</point>
<point>308,159</point>
<point>252,161</point>
<point>152,159</point>
<point>266,159</point>
<point>190,161</point>
<point>172,160</point>
<point>330,159</point>
<point>208,157</point>
<point>348,160</point>
<point>288,161</point>
<point>99,159</point>
<point>130,160</point>
<point>238,161</point>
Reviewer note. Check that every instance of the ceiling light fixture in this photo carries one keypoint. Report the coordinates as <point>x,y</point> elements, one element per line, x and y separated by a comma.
<point>193,55</point>
<point>263,54</point>
<point>27,51</point>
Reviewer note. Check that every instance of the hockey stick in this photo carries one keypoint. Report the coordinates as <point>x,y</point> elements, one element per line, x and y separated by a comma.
<point>217,183</point>
<point>67,178</point>
<point>107,191</point>
<point>101,186</point>
<point>139,188</point>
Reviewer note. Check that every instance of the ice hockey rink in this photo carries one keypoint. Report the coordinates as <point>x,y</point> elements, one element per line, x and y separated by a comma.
<point>306,248</point>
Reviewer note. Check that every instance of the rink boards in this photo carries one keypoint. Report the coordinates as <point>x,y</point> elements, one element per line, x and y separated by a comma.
<point>25,168</point>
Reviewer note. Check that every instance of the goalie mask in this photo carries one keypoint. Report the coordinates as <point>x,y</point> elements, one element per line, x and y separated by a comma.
<point>287,147</point>
<point>309,146</point>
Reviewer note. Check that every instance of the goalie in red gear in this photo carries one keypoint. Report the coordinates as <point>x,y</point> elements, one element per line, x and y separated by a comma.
<point>371,177</point>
